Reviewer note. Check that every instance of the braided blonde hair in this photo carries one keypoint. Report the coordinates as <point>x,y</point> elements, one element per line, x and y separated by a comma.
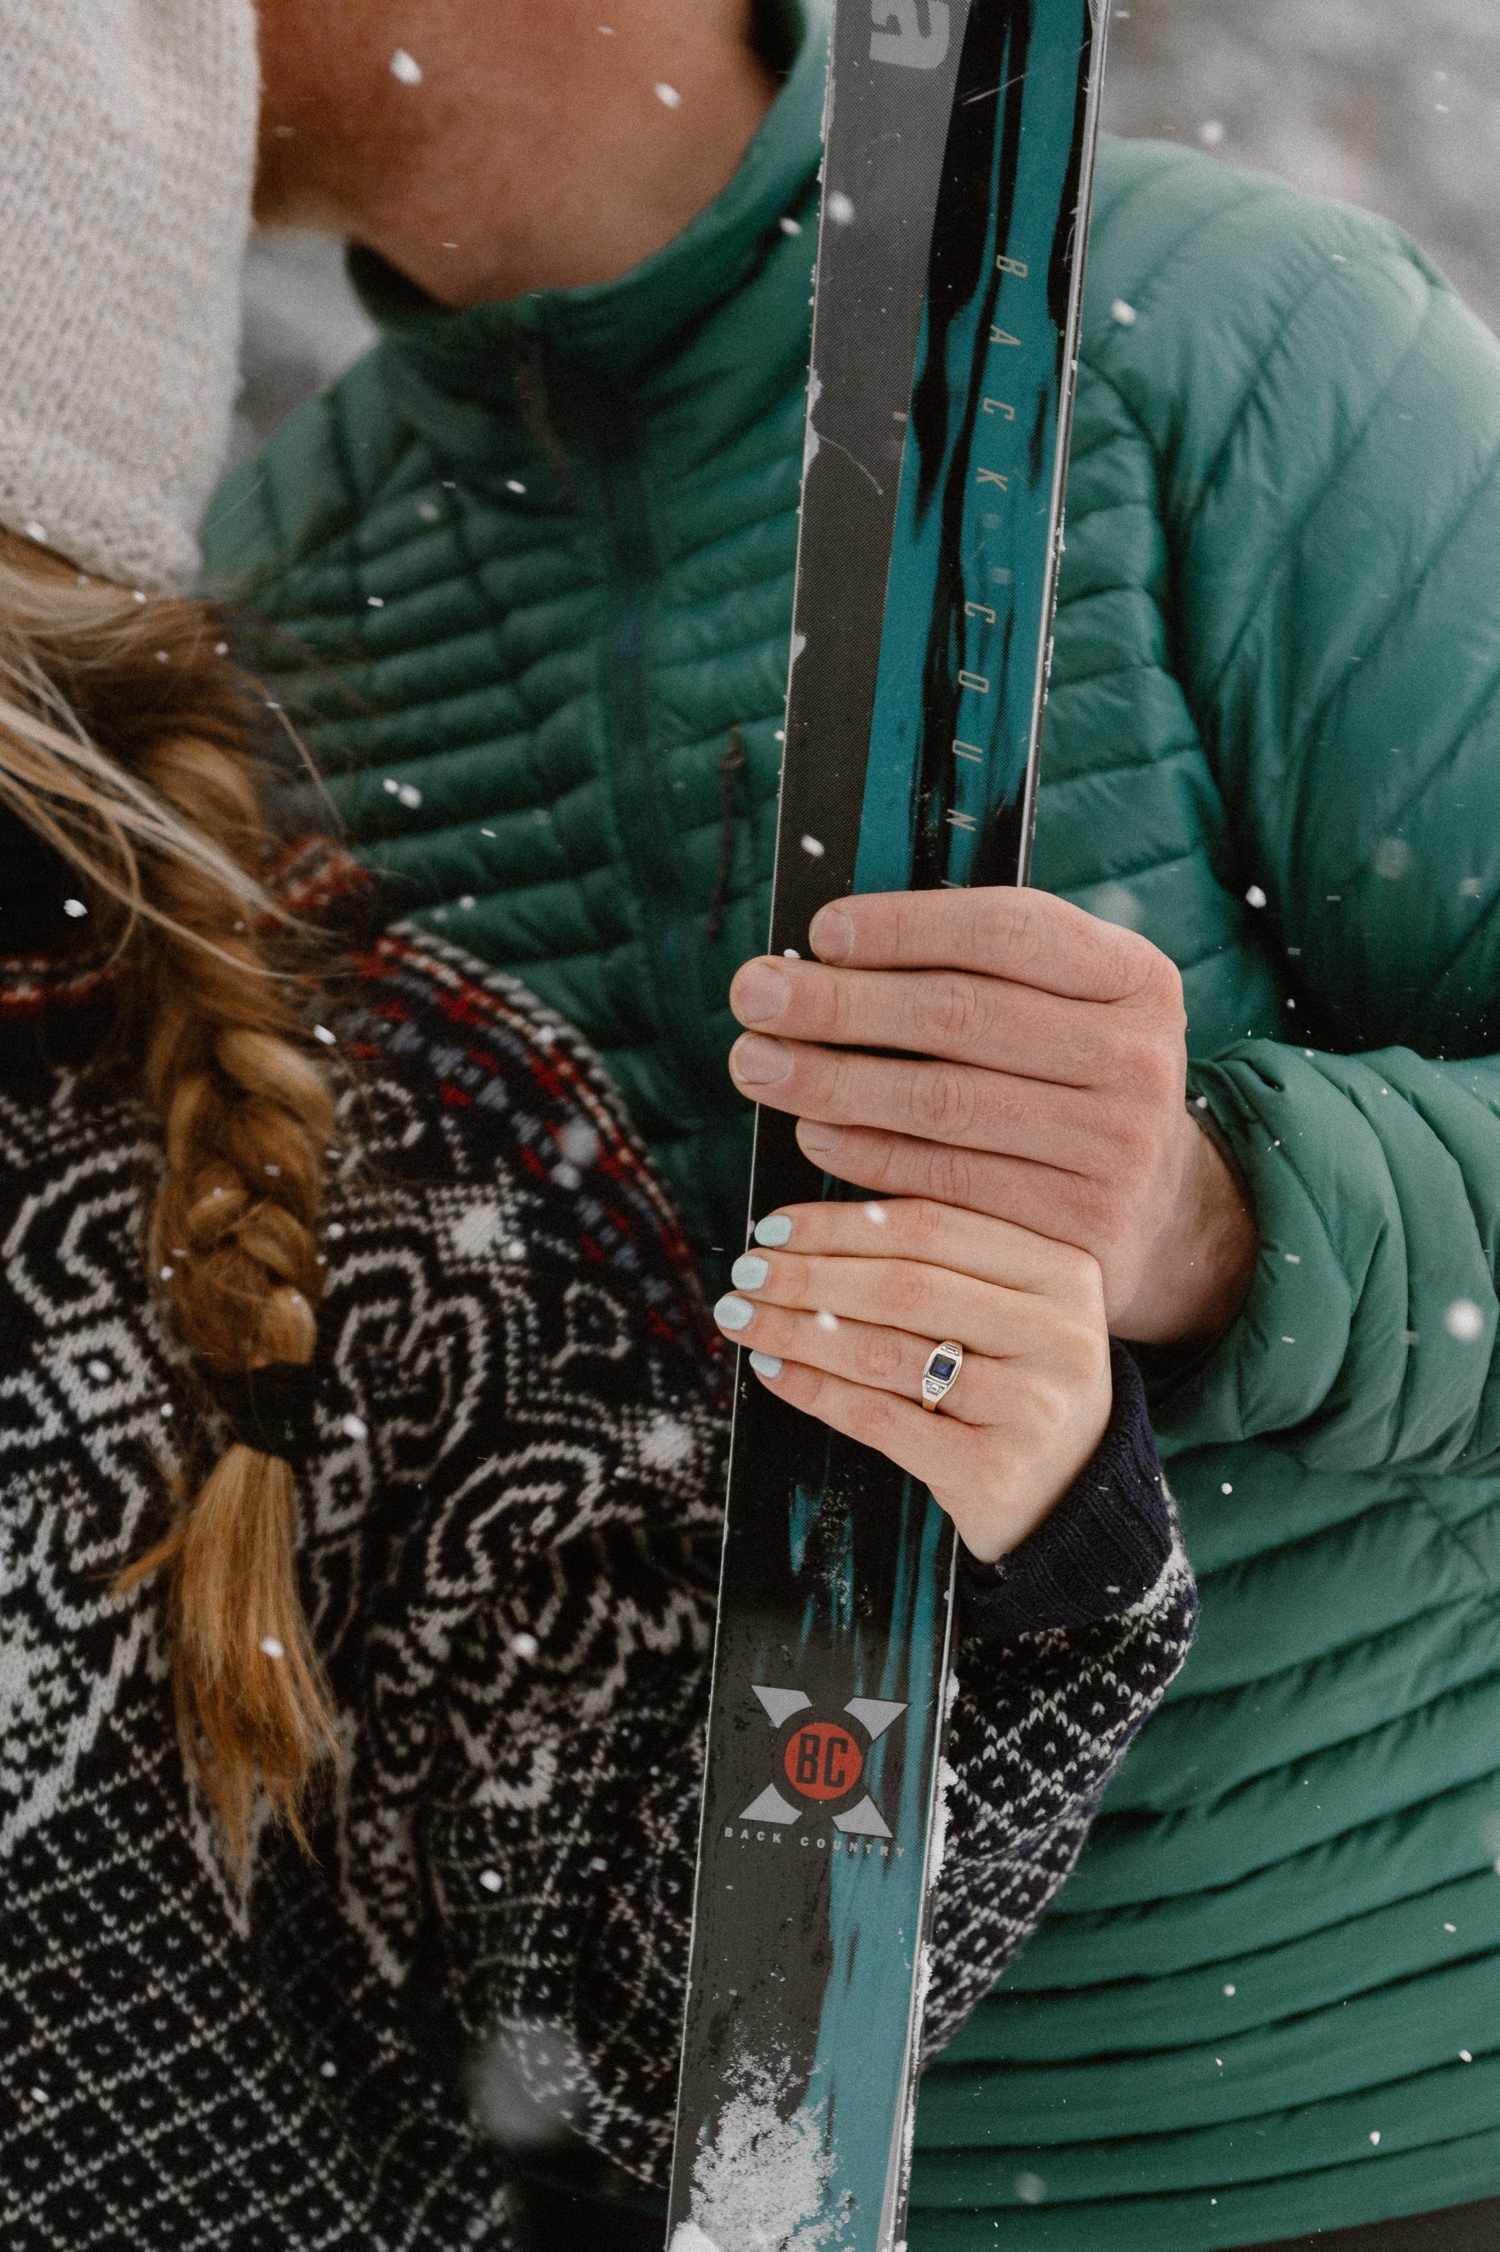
<point>122,734</point>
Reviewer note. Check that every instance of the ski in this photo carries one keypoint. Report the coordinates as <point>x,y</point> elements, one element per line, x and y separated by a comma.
<point>959,139</point>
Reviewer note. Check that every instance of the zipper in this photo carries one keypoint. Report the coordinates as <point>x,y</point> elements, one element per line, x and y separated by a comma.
<point>648,843</point>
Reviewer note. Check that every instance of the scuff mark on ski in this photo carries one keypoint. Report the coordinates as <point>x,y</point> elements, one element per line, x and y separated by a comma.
<point>764,2179</point>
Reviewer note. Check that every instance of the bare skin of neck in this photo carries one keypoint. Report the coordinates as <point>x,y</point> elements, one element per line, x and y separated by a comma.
<point>545,144</point>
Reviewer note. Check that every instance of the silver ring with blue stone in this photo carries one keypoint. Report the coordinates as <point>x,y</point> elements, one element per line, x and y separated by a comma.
<point>944,1364</point>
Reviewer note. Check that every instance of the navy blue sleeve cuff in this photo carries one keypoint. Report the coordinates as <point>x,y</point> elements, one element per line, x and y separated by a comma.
<point>1101,1549</point>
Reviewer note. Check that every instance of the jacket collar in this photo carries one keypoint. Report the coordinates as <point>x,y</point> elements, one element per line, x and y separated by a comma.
<point>619,326</point>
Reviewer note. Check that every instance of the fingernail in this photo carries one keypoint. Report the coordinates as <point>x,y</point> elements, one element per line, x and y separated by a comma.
<point>765,1364</point>
<point>760,1063</point>
<point>813,1136</point>
<point>748,1272</point>
<point>734,1313</point>
<point>832,935</point>
<point>759,992</point>
<point>773,1233</point>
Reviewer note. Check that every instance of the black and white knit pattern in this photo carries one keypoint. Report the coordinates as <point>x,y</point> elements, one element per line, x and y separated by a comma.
<point>510,1546</point>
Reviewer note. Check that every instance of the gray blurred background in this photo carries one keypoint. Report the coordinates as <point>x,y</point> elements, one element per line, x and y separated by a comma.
<point>1390,103</point>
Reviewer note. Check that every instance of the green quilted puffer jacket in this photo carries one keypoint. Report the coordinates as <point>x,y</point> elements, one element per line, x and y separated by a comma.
<point>527,572</point>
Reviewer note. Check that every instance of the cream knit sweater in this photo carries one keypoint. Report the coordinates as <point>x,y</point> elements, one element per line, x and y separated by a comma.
<point>126,162</point>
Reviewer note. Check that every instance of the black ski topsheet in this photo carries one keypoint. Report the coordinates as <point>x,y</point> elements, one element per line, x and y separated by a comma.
<point>958,154</point>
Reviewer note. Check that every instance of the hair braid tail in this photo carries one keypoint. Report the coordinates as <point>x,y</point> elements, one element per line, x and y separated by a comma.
<point>233,1239</point>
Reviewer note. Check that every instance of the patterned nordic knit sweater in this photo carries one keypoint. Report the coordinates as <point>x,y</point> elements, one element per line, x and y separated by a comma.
<point>510,1525</point>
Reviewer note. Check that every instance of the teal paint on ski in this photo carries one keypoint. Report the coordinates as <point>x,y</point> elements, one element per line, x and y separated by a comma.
<point>876,1904</point>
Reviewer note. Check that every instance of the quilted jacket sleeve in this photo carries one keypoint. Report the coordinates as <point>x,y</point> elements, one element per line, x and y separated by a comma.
<point>1324,414</point>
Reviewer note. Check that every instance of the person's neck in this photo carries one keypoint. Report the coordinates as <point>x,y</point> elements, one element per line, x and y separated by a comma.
<point>543,146</point>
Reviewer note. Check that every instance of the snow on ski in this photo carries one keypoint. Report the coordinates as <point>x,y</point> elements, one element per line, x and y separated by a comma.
<point>959,141</point>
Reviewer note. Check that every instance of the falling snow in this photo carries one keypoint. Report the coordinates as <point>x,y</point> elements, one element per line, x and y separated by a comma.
<point>580,1143</point>
<point>667,95</point>
<point>665,1444</point>
<point>406,68</point>
<point>1117,903</point>
<point>477,1230</point>
<point>839,208</point>
<point>527,2084</point>
<point>1464,1321</point>
<point>1123,313</point>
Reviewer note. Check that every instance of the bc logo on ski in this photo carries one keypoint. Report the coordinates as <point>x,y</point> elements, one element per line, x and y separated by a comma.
<point>822,1759</point>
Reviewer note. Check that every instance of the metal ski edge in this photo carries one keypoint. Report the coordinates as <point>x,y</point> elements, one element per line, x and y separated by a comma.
<point>1099,14</point>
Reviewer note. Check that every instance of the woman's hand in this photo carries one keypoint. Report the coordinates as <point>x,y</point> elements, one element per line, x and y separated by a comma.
<point>841,1304</point>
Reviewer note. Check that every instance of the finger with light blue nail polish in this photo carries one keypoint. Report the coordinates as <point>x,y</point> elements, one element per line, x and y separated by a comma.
<point>773,1233</point>
<point>765,1364</point>
<point>734,1313</point>
<point>748,1272</point>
